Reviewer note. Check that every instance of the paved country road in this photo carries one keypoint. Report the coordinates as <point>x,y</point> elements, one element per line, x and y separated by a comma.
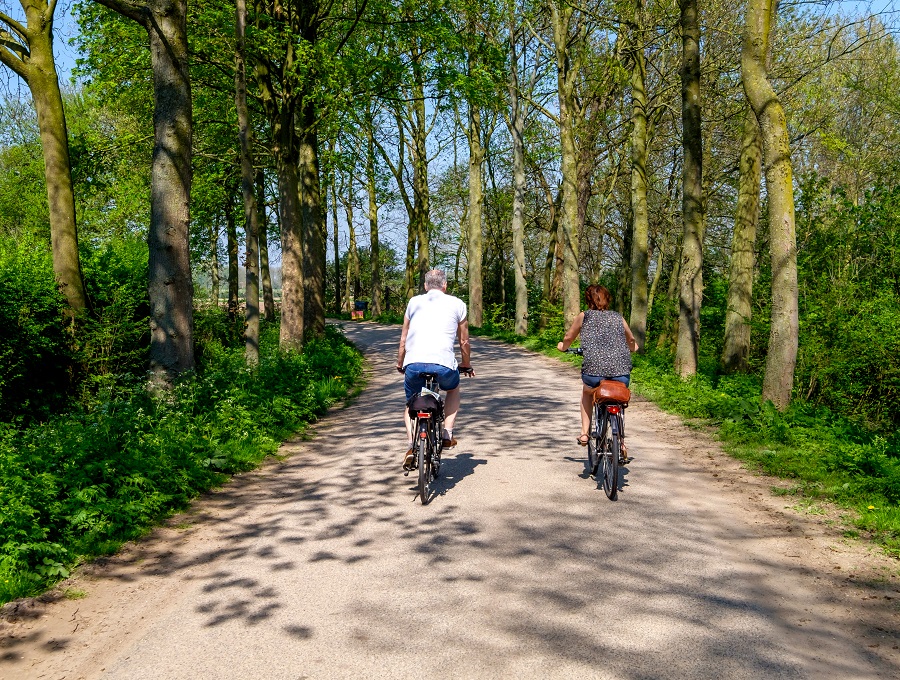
<point>325,565</point>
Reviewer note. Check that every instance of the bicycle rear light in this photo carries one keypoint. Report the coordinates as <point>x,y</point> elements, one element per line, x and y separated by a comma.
<point>613,409</point>
<point>424,415</point>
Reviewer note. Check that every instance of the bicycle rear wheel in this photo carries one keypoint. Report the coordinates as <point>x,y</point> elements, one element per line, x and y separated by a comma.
<point>424,471</point>
<point>609,463</point>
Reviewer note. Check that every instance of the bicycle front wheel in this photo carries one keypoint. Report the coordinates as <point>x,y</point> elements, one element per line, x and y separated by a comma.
<point>424,471</point>
<point>609,461</point>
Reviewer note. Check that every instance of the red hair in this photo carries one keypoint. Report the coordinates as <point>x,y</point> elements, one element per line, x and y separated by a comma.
<point>597,297</point>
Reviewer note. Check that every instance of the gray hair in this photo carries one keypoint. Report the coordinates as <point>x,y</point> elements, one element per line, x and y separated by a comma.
<point>435,279</point>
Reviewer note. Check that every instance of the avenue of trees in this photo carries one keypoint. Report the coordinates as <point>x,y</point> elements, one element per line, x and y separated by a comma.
<point>728,173</point>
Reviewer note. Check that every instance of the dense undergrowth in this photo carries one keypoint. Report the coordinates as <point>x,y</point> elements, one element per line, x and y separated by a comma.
<point>88,457</point>
<point>83,482</point>
<point>828,455</point>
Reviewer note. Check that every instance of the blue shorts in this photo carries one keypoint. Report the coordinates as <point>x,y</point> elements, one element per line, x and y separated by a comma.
<point>594,380</point>
<point>413,382</point>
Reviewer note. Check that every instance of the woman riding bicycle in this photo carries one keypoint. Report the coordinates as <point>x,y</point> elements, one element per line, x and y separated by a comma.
<point>607,343</point>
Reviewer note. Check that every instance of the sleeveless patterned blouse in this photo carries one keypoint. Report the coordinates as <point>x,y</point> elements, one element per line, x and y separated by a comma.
<point>606,350</point>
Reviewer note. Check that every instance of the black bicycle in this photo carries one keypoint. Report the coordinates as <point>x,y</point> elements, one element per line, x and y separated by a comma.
<point>606,435</point>
<point>426,409</point>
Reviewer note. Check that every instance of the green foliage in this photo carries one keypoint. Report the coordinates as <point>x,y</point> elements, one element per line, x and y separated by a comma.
<point>84,482</point>
<point>111,342</point>
<point>850,302</point>
<point>34,349</point>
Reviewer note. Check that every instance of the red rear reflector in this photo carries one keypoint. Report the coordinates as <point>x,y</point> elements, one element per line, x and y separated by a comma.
<point>612,409</point>
<point>424,415</point>
<point>423,435</point>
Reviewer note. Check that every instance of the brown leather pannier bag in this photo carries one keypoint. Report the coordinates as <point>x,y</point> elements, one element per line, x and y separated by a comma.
<point>611,390</point>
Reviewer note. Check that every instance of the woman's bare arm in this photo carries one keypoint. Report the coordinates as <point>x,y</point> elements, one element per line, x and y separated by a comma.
<point>629,338</point>
<point>571,334</point>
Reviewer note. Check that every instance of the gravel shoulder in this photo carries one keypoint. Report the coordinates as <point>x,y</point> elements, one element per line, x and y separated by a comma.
<point>323,564</point>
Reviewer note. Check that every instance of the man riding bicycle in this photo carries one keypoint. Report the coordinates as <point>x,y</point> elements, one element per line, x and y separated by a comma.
<point>431,325</point>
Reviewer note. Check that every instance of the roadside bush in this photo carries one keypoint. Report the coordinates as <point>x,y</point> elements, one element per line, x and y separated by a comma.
<point>34,351</point>
<point>84,482</point>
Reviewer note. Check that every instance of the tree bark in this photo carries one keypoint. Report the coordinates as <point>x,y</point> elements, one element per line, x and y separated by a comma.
<point>251,213</point>
<point>516,124</point>
<point>214,261</point>
<point>338,301</point>
<point>231,237</point>
<point>265,275</point>
<point>292,287</point>
<point>691,275</point>
<point>374,244</point>
<point>736,352</point>
<point>421,191</point>
<point>352,255</point>
<point>315,233</point>
<point>475,250</point>
<point>171,289</point>
<point>566,73</point>
<point>783,337</point>
<point>640,218</point>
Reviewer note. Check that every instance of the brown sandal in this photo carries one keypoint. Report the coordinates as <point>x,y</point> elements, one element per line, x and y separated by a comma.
<point>583,440</point>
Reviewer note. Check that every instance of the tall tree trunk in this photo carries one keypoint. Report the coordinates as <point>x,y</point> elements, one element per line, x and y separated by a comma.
<point>691,276</point>
<point>271,70</point>
<point>410,281</point>
<point>170,288</point>
<point>548,266</point>
<point>640,219</point>
<point>516,124</point>
<point>38,70</point>
<point>783,337</point>
<point>251,213</point>
<point>352,255</point>
<point>339,304</point>
<point>374,244</point>
<point>421,191</point>
<point>670,323</point>
<point>315,234</point>
<point>476,202</point>
<point>623,272</point>
<point>657,275</point>
<point>561,18</point>
<point>231,236</point>
<point>265,275</point>
<point>214,260</point>
<point>736,352</point>
<point>293,296</point>
<point>170,285</point>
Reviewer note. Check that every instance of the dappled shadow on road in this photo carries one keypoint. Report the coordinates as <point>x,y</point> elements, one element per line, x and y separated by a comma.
<point>520,576</point>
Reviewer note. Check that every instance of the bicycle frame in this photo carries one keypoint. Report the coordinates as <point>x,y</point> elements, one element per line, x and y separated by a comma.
<point>610,415</point>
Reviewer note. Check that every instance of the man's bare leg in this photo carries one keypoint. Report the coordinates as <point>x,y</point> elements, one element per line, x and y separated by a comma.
<point>451,407</point>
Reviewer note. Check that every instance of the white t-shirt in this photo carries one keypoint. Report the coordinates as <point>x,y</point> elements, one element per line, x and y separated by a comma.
<point>434,319</point>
